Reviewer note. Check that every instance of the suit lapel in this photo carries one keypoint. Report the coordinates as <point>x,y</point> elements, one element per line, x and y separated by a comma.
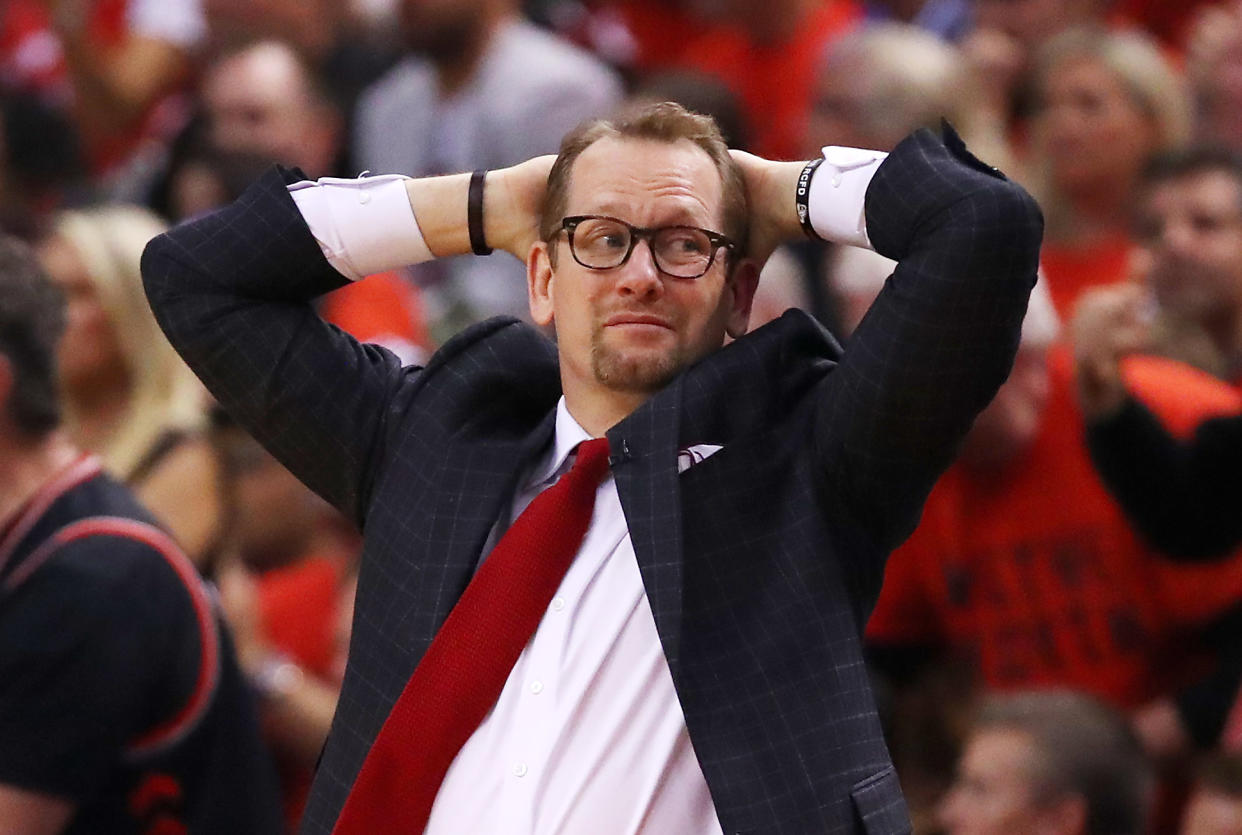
<point>644,448</point>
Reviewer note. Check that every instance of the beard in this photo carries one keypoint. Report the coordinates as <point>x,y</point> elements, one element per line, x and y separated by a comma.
<point>638,370</point>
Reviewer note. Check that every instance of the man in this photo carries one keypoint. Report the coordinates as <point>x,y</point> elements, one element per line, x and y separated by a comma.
<point>265,99</point>
<point>1182,496</point>
<point>480,88</point>
<point>121,707</point>
<point>1052,762</point>
<point>1188,224</point>
<point>697,668</point>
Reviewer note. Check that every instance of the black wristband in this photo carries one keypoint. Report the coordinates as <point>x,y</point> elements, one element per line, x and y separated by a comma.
<point>802,195</point>
<point>474,214</point>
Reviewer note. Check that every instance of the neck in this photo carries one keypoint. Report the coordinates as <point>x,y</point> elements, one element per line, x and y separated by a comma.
<point>1091,218</point>
<point>96,413</point>
<point>598,415</point>
<point>28,465</point>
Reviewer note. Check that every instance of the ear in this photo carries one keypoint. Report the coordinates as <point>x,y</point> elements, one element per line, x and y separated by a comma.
<point>742,284</point>
<point>539,284</point>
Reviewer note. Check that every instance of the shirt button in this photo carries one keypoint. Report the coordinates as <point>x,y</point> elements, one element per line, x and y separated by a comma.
<point>519,770</point>
<point>536,687</point>
<point>558,603</point>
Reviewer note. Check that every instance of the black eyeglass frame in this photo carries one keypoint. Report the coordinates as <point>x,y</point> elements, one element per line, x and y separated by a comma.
<point>637,233</point>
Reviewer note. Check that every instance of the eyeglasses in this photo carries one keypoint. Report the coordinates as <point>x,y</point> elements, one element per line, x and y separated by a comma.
<point>604,243</point>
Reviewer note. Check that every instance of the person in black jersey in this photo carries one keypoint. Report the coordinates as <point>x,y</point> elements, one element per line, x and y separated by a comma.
<point>121,706</point>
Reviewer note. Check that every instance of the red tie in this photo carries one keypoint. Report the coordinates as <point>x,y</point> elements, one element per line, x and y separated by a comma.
<point>460,677</point>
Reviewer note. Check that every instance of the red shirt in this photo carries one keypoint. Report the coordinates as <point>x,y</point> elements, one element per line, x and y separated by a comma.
<point>1036,574</point>
<point>1069,271</point>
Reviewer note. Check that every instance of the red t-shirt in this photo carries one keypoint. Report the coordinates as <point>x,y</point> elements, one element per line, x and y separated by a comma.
<point>1068,271</point>
<point>298,607</point>
<point>1036,573</point>
<point>384,309</point>
<point>775,81</point>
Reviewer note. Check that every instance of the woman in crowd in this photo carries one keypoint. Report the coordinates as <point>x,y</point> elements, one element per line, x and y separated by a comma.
<point>127,395</point>
<point>1107,101</point>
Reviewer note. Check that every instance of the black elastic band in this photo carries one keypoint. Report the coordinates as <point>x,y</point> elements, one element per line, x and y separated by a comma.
<point>474,214</point>
<point>802,195</point>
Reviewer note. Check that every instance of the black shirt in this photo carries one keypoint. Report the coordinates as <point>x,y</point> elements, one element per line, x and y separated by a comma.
<point>118,685</point>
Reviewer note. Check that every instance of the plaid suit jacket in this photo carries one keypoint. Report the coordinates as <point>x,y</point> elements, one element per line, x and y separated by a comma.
<point>761,564</point>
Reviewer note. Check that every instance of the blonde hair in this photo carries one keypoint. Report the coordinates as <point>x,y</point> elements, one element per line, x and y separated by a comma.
<point>1152,83</point>
<point>164,395</point>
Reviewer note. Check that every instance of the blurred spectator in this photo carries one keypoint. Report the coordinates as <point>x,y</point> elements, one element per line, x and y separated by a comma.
<point>1214,70</point>
<point>289,555</point>
<point>1002,45</point>
<point>41,167</point>
<point>116,65</point>
<point>127,395</point>
<point>877,84</point>
<point>349,43</point>
<point>1024,564</point>
<point>481,88</point>
<point>873,87</point>
<point>1106,102</point>
<point>1183,495</point>
<point>1188,225</point>
<point>768,54</point>
<point>265,100</point>
<point>121,705</point>
<point>1056,763</point>
<point>1215,807</point>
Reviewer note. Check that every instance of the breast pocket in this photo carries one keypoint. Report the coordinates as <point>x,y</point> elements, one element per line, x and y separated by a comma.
<point>879,804</point>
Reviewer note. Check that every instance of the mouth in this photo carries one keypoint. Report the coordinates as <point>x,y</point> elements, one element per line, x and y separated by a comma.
<point>637,321</point>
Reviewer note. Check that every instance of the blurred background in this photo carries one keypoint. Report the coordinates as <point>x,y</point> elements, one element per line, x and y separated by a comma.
<point>1041,665</point>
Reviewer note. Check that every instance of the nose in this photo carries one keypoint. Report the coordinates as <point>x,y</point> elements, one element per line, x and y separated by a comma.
<point>639,276</point>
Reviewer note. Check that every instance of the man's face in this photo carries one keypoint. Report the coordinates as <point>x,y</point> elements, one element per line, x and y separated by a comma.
<point>631,328</point>
<point>993,793</point>
<point>258,102</point>
<point>1190,229</point>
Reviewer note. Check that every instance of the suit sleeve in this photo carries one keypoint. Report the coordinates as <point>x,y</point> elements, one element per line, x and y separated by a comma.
<point>233,291</point>
<point>1184,498</point>
<point>940,338</point>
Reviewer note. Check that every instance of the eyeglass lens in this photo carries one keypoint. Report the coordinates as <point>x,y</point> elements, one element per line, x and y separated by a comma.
<point>682,251</point>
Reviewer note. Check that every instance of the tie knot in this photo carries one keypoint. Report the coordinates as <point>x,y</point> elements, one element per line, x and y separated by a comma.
<point>592,461</point>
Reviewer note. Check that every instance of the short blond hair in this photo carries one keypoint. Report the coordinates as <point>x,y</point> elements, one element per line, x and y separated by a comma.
<point>662,122</point>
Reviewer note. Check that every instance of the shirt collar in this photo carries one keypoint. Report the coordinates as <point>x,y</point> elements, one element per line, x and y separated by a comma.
<point>568,434</point>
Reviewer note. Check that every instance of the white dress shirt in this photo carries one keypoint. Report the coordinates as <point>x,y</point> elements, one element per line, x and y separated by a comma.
<point>587,734</point>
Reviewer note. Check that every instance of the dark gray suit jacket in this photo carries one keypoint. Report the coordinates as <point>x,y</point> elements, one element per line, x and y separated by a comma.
<point>761,564</point>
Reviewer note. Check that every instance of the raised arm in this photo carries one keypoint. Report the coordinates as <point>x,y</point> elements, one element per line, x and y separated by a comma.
<point>233,293</point>
<point>940,338</point>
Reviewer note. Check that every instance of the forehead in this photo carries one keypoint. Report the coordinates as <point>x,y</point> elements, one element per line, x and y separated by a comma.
<point>646,182</point>
<point>1206,191</point>
<point>1002,755</point>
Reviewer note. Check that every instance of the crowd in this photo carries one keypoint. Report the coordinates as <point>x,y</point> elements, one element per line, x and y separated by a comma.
<point>1058,645</point>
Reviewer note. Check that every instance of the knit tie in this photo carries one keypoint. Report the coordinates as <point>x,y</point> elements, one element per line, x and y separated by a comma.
<point>460,677</point>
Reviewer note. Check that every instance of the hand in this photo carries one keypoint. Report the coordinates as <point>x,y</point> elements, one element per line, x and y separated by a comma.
<point>1109,322</point>
<point>770,192</point>
<point>512,204</point>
